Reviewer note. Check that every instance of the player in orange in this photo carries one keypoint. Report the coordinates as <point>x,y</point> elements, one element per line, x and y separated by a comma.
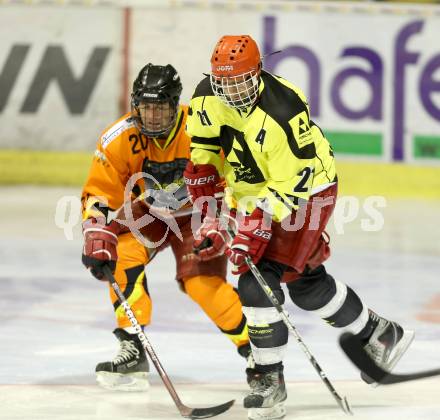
<point>149,145</point>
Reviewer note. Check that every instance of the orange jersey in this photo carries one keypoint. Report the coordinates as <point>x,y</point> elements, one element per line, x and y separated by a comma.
<point>123,151</point>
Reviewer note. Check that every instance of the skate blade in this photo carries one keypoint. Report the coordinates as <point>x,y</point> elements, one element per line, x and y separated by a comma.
<point>395,356</point>
<point>130,382</point>
<point>278,411</point>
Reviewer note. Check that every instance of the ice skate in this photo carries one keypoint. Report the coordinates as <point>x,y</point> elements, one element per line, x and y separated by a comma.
<point>387,345</point>
<point>129,369</point>
<point>266,398</point>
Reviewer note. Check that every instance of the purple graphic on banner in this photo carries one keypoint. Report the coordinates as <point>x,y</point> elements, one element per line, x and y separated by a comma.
<point>374,78</point>
<point>301,52</point>
<point>371,72</point>
<point>428,86</point>
<point>401,58</point>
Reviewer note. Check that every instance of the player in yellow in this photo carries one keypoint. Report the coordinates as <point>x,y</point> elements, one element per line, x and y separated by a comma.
<point>149,145</point>
<point>281,175</point>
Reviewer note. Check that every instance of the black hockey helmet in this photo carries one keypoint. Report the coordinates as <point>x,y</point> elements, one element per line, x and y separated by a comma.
<point>156,85</point>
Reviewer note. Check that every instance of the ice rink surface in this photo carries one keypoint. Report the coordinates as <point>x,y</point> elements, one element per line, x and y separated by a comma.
<point>56,324</point>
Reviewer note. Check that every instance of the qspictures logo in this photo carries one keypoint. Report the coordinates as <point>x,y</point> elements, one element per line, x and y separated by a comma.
<point>167,206</point>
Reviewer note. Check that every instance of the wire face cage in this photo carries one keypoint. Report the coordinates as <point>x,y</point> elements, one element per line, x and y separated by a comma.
<point>239,91</point>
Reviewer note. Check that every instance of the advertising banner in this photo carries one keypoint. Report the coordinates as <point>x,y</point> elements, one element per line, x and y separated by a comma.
<point>371,73</point>
<point>373,80</point>
<point>59,76</point>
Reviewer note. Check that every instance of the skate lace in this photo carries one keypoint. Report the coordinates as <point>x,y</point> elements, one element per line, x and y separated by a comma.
<point>380,352</point>
<point>374,316</point>
<point>264,386</point>
<point>127,351</point>
<point>375,352</point>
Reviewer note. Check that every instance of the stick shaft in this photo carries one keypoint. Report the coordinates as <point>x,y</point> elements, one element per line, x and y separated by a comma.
<point>144,340</point>
<point>284,316</point>
<point>342,402</point>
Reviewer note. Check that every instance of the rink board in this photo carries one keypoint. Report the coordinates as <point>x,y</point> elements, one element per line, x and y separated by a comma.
<point>356,177</point>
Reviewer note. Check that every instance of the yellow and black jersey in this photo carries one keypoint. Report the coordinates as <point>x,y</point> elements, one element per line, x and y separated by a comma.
<point>122,151</point>
<point>273,152</point>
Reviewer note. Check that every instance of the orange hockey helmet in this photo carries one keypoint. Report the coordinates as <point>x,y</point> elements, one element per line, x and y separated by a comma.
<point>235,70</point>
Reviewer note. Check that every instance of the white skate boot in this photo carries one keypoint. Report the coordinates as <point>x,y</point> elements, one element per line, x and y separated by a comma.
<point>387,345</point>
<point>267,396</point>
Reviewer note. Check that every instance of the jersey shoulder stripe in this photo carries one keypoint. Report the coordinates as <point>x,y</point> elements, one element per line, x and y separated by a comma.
<point>280,100</point>
<point>298,92</point>
<point>203,88</point>
<point>123,124</point>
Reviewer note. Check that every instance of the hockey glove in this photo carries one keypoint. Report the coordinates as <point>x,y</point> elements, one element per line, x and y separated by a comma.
<point>210,239</point>
<point>100,242</point>
<point>252,238</point>
<point>203,181</point>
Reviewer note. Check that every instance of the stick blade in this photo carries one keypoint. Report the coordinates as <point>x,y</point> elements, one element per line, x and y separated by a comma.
<point>353,348</point>
<point>204,413</point>
<point>343,403</point>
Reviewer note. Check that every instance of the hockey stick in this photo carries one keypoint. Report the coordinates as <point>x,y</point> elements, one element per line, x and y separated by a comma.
<point>185,411</point>
<point>353,348</point>
<point>342,401</point>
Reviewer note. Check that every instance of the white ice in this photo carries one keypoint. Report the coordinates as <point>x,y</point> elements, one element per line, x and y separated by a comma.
<point>56,324</point>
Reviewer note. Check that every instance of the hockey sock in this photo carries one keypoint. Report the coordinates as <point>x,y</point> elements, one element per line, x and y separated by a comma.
<point>267,332</point>
<point>331,300</point>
